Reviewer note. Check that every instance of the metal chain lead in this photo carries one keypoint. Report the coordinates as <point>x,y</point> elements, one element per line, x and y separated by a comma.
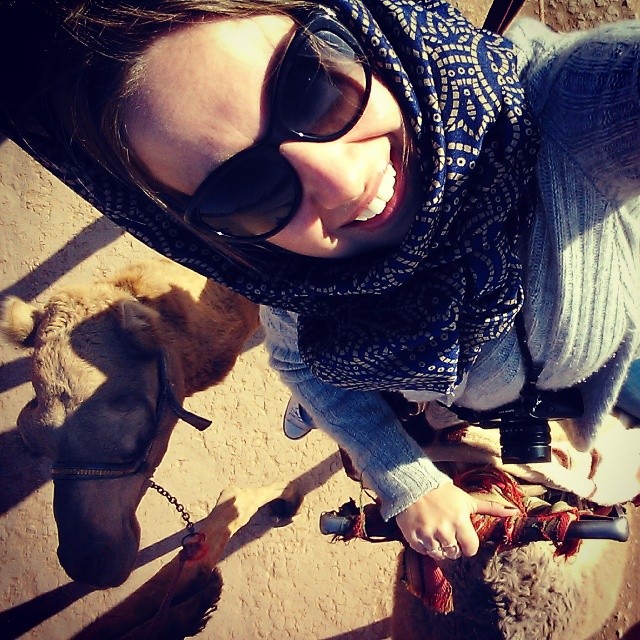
<point>174,501</point>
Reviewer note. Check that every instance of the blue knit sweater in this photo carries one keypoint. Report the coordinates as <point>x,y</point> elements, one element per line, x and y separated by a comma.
<point>581,256</point>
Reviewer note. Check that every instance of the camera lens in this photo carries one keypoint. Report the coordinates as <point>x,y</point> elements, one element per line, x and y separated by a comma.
<point>525,440</point>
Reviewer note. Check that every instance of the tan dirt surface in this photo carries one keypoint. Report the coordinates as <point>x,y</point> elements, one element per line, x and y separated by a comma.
<point>280,582</point>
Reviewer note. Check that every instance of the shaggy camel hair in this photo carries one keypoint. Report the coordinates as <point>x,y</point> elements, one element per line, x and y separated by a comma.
<point>520,594</point>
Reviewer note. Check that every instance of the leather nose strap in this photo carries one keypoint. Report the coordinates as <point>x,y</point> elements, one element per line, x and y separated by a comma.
<point>193,419</point>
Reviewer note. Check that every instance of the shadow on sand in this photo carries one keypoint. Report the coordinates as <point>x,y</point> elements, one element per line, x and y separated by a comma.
<point>22,618</point>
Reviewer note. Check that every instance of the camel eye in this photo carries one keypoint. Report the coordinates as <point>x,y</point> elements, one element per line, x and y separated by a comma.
<point>127,404</point>
<point>65,398</point>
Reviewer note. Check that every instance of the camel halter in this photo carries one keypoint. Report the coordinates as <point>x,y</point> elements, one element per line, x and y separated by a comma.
<point>106,471</point>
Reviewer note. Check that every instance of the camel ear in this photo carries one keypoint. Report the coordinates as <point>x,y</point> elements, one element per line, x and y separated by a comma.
<point>140,323</point>
<point>18,321</point>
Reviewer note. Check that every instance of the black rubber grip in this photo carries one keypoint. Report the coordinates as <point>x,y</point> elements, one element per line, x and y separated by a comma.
<point>592,528</point>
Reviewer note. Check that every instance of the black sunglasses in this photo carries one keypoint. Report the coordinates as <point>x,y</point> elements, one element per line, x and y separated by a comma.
<point>320,91</point>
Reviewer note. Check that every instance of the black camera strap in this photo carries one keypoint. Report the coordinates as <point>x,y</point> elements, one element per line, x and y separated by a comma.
<point>501,13</point>
<point>529,394</point>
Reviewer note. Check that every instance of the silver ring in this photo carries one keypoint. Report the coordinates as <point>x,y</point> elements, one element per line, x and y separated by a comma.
<point>434,552</point>
<point>451,551</point>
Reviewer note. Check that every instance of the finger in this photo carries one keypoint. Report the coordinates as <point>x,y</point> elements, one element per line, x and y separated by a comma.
<point>430,548</point>
<point>468,540</point>
<point>486,507</point>
<point>418,545</point>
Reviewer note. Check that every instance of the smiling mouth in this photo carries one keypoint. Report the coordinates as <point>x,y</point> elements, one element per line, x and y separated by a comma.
<point>385,192</point>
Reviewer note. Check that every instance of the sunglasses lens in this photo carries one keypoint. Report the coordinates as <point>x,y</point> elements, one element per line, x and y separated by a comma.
<point>323,89</point>
<point>252,196</point>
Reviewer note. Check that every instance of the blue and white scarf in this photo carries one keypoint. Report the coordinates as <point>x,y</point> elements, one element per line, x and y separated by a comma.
<point>415,317</point>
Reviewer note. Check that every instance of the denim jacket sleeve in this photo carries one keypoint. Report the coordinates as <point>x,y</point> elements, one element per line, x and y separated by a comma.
<point>361,422</point>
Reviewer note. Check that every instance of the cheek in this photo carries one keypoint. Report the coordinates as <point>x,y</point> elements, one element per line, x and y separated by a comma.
<point>303,235</point>
<point>383,114</point>
<point>301,242</point>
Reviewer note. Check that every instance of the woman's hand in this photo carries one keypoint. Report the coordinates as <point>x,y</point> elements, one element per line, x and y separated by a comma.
<point>439,523</point>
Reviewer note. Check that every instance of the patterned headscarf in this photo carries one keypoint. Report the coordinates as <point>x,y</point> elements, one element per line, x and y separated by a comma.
<point>414,317</point>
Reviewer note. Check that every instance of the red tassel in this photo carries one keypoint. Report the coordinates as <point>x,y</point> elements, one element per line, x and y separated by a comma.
<point>425,580</point>
<point>358,530</point>
<point>438,592</point>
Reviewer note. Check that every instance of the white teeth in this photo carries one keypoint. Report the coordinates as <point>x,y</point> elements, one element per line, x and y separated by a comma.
<point>387,185</point>
<point>385,192</point>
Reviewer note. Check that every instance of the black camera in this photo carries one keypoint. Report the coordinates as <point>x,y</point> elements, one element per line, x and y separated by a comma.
<point>525,440</point>
<point>525,435</point>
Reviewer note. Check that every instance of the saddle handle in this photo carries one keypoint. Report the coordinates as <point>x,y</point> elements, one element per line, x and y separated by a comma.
<point>600,528</point>
<point>589,527</point>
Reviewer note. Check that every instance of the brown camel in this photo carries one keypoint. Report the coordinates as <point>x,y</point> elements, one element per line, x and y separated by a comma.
<point>111,364</point>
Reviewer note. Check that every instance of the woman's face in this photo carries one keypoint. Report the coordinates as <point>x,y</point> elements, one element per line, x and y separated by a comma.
<point>201,100</point>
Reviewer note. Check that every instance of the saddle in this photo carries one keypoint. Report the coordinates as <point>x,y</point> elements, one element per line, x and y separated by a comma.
<point>574,496</point>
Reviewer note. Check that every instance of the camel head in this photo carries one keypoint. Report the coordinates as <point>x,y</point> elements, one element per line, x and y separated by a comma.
<point>111,364</point>
<point>96,369</point>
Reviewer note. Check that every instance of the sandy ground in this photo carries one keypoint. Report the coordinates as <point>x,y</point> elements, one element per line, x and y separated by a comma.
<point>280,582</point>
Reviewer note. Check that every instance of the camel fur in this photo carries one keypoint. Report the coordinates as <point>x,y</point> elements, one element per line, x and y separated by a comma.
<point>152,305</point>
<point>95,360</point>
<point>519,594</point>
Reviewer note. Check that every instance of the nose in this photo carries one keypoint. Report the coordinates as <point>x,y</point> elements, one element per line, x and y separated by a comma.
<point>100,565</point>
<point>98,536</point>
<point>330,174</point>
